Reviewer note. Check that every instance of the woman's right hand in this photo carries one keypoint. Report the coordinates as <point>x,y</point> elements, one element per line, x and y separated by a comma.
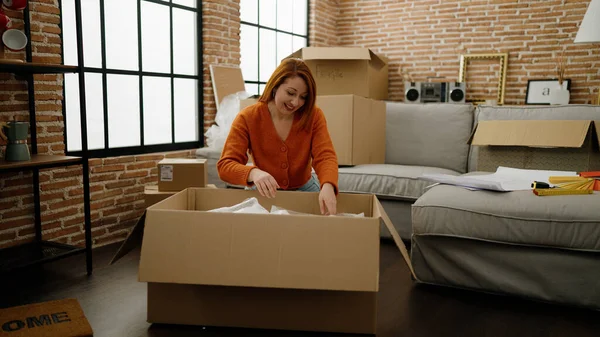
<point>265,183</point>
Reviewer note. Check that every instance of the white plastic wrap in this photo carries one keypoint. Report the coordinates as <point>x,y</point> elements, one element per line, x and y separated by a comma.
<point>228,110</point>
<point>249,205</point>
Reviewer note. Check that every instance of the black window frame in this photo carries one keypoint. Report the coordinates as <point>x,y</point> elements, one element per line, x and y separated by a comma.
<point>142,149</point>
<point>258,82</point>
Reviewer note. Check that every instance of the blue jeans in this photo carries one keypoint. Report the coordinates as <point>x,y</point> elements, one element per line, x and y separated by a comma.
<point>312,185</point>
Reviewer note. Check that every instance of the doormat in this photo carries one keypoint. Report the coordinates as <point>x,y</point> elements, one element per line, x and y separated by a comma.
<point>61,318</point>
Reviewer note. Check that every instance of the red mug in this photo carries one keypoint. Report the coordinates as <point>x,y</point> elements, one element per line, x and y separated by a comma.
<point>5,22</point>
<point>15,5</point>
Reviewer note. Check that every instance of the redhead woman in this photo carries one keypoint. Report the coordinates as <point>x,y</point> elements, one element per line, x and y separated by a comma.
<point>286,135</point>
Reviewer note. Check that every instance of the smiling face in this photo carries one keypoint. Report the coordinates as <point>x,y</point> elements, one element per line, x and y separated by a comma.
<point>290,96</point>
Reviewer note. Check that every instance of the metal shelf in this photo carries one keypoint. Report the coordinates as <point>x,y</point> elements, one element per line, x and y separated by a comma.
<point>38,252</point>
<point>39,161</point>
<point>16,67</point>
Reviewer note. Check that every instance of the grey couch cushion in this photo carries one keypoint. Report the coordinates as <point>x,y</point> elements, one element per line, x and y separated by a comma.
<point>519,217</point>
<point>434,135</point>
<point>398,181</point>
<point>555,112</point>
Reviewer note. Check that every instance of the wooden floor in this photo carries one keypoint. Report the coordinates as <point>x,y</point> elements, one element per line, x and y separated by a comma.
<point>115,304</point>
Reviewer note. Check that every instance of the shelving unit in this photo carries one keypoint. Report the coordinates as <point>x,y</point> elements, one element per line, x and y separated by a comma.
<point>42,251</point>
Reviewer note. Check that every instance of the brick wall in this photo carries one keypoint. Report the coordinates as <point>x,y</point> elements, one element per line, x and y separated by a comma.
<point>322,23</point>
<point>116,184</point>
<point>426,37</point>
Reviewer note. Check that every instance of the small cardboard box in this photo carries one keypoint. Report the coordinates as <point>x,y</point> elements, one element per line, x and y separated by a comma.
<point>59,318</point>
<point>357,128</point>
<point>176,174</point>
<point>292,272</point>
<point>564,145</point>
<point>347,70</point>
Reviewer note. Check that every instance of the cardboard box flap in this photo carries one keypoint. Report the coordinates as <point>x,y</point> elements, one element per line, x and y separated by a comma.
<point>258,250</point>
<point>378,211</point>
<point>534,133</point>
<point>333,53</point>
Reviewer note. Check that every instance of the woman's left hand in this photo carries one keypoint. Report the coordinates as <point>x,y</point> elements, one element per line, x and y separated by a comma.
<point>327,200</point>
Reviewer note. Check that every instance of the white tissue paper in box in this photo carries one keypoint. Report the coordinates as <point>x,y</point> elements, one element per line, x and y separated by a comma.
<point>249,205</point>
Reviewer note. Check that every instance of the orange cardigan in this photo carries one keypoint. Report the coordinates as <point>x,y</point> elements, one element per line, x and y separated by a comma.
<point>289,161</point>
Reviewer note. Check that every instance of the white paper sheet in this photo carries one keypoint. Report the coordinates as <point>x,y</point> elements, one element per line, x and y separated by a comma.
<point>504,179</point>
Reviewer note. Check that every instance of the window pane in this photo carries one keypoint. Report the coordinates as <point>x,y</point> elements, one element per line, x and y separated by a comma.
<point>284,46</point>
<point>72,120</point>
<point>298,42</point>
<point>249,52</point>
<point>185,42</point>
<point>189,3</point>
<point>267,57</point>
<point>69,33</point>
<point>186,110</point>
<point>156,43</point>
<point>300,13</point>
<point>90,14</point>
<point>267,14</point>
<point>123,110</point>
<point>249,11</point>
<point>157,110</point>
<point>121,34</point>
<point>285,15</point>
<point>94,111</point>
<point>251,88</point>
<point>261,88</point>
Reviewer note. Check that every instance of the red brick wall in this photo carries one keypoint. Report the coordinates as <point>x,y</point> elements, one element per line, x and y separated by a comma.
<point>322,23</point>
<point>116,184</point>
<point>426,37</point>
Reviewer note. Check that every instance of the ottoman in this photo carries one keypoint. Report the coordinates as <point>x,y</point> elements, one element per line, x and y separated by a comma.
<point>543,248</point>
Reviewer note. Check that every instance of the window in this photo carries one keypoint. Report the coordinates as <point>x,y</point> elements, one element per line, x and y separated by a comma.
<point>270,31</point>
<point>142,76</point>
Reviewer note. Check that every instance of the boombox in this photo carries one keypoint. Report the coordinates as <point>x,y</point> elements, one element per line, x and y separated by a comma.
<point>434,92</point>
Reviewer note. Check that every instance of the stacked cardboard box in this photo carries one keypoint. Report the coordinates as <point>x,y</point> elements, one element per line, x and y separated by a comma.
<point>351,86</point>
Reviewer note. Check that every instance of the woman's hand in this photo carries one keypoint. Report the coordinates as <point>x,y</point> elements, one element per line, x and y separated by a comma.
<point>265,183</point>
<point>327,199</point>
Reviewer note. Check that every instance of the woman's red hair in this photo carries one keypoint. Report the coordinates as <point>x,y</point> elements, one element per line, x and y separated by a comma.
<point>289,68</point>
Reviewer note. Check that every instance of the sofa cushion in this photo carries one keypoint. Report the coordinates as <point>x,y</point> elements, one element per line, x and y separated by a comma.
<point>397,181</point>
<point>519,217</point>
<point>557,112</point>
<point>430,134</point>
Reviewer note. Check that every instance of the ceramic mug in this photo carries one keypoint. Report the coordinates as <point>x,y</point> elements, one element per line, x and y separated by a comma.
<point>15,5</point>
<point>14,39</point>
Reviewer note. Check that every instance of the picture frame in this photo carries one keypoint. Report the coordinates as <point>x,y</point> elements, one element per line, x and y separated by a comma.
<point>539,92</point>
<point>502,59</point>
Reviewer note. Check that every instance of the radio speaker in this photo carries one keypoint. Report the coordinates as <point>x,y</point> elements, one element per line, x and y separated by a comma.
<point>412,92</point>
<point>456,92</point>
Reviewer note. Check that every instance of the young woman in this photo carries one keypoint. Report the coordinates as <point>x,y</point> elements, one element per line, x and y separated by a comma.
<point>286,134</point>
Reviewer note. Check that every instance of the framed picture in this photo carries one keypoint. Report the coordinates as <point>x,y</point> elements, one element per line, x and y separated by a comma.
<point>490,65</point>
<point>540,91</point>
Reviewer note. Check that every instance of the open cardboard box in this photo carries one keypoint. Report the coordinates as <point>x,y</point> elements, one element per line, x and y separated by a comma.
<point>564,145</point>
<point>292,272</point>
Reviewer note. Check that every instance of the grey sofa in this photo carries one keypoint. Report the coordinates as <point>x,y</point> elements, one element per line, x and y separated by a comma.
<point>546,249</point>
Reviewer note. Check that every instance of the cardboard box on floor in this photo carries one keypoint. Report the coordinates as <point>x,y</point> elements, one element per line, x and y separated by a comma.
<point>347,70</point>
<point>290,272</point>
<point>176,174</point>
<point>357,128</point>
<point>564,145</point>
